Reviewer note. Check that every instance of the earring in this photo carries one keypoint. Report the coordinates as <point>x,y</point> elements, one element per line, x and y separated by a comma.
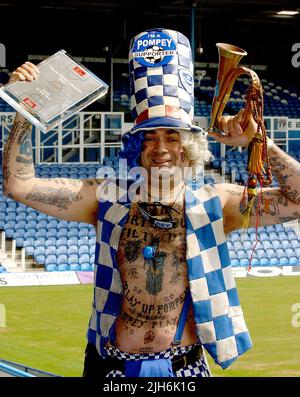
<point>182,156</point>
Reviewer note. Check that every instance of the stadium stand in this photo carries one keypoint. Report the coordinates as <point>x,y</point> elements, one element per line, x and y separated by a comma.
<point>60,245</point>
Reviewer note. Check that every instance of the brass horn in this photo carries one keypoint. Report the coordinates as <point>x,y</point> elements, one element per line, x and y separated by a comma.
<point>228,72</point>
<point>258,157</point>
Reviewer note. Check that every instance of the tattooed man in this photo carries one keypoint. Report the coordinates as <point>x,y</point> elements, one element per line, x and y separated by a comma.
<point>164,291</point>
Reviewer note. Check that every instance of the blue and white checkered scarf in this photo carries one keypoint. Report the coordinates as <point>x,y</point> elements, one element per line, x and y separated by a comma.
<point>219,319</point>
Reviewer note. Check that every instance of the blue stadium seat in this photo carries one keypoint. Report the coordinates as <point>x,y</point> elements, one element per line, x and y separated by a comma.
<point>51,267</point>
<point>260,253</point>
<point>293,261</point>
<point>264,261</point>
<point>50,250</point>
<point>282,235</point>
<point>295,244</point>
<point>285,244</point>
<point>73,258</point>
<point>73,232</point>
<point>40,250</point>
<point>50,259</point>
<point>244,262</point>
<point>72,249</point>
<point>83,232</point>
<point>41,217</point>
<point>276,244</point>
<point>61,249</point>
<point>273,236</point>
<point>235,263</point>
<point>72,241</point>
<point>51,232</point>
<point>234,236</point>
<point>233,254</point>
<point>271,253</point>
<point>74,266</point>
<point>83,241</point>
<point>50,242</point>
<point>255,262</point>
<point>40,259</point>
<point>41,233</point>
<point>21,216</point>
<point>267,244</point>
<point>62,232</point>
<point>61,242</point>
<point>62,259</point>
<point>242,254</point>
<point>92,250</point>
<point>10,216</point>
<point>21,225</point>
<point>283,260</point>
<point>274,261</point>
<point>83,249</point>
<point>62,267</point>
<point>85,267</point>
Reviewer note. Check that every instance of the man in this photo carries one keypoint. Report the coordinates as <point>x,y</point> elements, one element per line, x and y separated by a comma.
<point>164,290</point>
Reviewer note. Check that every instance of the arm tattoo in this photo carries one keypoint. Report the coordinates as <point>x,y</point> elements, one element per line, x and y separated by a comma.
<point>287,171</point>
<point>60,198</point>
<point>19,135</point>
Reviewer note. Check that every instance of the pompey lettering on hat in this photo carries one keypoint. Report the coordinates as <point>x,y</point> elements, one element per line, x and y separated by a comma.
<point>154,49</point>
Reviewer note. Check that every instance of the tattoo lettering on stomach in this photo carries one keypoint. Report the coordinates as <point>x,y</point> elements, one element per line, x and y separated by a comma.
<point>154,289</point>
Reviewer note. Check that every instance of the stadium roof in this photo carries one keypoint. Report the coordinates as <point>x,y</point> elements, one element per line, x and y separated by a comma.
<point>86,27</point>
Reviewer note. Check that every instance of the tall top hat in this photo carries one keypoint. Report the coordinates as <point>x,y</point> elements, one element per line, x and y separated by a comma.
<point>161,81</point>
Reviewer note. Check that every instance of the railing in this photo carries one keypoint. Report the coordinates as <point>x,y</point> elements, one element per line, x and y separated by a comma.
<point>19,370</point>
<point>94,135</point>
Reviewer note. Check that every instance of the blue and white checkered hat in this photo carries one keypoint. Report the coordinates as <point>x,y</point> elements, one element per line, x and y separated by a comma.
<point>161,81</point>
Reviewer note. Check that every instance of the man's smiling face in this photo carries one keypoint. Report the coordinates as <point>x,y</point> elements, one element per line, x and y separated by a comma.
<point>162,149</point>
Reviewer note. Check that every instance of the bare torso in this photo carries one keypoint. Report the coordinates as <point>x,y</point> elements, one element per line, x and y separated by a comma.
<point>154,290</point>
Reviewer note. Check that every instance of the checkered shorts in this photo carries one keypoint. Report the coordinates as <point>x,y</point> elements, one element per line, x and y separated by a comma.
<point>199,368</point>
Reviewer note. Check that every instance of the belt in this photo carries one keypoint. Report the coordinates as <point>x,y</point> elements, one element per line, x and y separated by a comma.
<point>178,362</point>
<point>182,361</point>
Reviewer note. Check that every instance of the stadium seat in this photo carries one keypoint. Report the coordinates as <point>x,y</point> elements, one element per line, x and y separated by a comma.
<point>285,244</point>
<point>83,249</point>
<point>74,266</point>
<point>276,244</point>
<point>50,259</point>
<point>295,244</point>
<point>244,262</point>
<point>62,259</point>
<point>274,261</point>
<point>73,232</point>
<point>235,263</point>
<point>62,232</point>
<point>72,249</point>
<point>41,233</point>
<point>61,249</point>
<point>264,261</point>
<point>62,267</point>
<point>51,267</point>
<point>242,254</point>
<point>293,261</point>
<point>85,267</point>
<point>51,232</point>
<point>50,241</point>
<point>255,262</point>
<point>40,259</point>
<point>283,261</point>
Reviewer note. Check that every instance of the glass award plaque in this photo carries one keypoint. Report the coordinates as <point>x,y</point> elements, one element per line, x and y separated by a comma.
<point>63,88</point>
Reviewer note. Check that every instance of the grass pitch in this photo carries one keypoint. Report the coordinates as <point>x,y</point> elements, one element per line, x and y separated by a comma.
<point>46,327</point>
